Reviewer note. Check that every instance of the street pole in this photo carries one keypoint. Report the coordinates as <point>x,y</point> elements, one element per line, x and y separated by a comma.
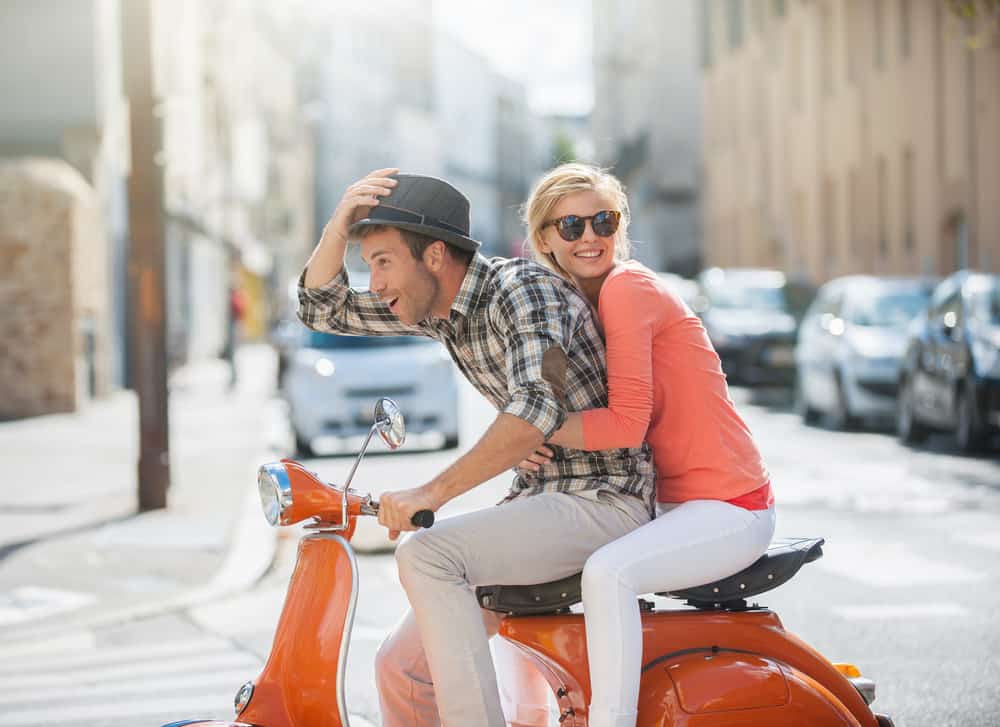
<point>147,296</point>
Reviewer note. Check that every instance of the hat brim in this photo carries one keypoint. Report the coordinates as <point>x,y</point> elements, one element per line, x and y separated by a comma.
<point>452,238</point>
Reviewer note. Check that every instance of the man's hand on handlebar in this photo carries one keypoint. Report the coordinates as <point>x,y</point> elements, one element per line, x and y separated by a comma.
<point>396,509</point>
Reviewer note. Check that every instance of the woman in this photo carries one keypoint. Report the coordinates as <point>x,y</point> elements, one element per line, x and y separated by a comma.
<point>715,509</point>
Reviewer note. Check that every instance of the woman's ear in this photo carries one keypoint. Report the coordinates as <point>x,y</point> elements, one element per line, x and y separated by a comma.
<point>542,246</point>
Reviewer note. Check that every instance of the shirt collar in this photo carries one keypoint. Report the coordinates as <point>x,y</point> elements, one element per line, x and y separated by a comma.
<point>473,287</point>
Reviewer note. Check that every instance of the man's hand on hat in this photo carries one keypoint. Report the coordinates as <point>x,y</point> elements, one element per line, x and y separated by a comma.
<point>358,200</point>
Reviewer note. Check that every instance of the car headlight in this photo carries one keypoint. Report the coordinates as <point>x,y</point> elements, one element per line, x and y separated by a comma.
<point>985,357</point>
<point>275,491</point>
<point>325,367</point>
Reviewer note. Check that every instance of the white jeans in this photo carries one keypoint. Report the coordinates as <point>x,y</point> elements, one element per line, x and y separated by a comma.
<point>687,545</point>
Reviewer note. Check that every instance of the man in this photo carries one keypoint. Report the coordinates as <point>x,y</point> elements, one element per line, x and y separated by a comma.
<point>526,339</point>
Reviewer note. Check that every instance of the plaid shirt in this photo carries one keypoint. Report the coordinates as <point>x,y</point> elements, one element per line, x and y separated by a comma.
<point>527,340</point>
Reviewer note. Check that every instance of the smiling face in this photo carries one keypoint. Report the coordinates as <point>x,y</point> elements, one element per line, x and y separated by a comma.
<point>404,283</point>
<point>587,260</point>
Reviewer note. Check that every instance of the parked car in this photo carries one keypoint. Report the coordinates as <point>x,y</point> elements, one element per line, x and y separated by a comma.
<point>685,288</point>
<point>331,381</point>
<point>950,376</point>
<point>751,316</point>
<point>850,344</point>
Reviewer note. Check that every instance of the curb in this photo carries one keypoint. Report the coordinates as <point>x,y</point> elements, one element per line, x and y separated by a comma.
<point>251,549</point>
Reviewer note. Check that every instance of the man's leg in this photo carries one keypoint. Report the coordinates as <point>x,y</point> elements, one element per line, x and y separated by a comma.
<point>403,680</point>
<point>529,540</point>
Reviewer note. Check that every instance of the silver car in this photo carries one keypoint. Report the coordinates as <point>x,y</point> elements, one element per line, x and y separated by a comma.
<point>330,382</point>
<point>850,345</point>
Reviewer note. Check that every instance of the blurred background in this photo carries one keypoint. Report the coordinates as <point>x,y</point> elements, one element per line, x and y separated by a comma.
<point>818,179</point>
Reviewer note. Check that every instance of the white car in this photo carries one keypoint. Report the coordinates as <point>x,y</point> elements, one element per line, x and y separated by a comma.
<point>331,381</point>
<point>850,346</point>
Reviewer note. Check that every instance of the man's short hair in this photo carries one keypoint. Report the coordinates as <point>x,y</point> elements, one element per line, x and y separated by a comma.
<point>418,243</point>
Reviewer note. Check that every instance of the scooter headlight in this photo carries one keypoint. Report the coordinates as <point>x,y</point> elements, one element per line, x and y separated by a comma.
<point>243,697</point>
<point>275,491</point>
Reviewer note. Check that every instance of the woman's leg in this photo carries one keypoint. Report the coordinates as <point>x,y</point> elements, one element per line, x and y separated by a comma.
<point>693,543</point>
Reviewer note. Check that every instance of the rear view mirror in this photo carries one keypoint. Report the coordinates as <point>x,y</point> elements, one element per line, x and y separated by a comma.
<point>390,423</point>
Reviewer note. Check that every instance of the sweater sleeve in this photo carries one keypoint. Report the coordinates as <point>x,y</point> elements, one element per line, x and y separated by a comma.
<point>630,307</point>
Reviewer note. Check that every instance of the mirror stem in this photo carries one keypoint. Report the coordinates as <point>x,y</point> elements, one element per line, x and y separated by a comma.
<point>361,454</point>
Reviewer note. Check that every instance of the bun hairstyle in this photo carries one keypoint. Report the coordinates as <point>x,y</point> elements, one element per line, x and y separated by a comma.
<point>560,182</point>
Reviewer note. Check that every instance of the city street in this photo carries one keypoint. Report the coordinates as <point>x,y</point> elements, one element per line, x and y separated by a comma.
<point>907,589</point>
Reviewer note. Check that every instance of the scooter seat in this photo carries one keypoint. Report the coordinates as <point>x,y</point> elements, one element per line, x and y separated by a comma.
<point>783,559</point>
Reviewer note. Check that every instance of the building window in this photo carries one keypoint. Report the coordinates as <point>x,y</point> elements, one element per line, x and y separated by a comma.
<point>734,22</point>
<point>759,16</point>
<point>826,49</point>
<point>878,33</point>
<point>830,224</point>
<point>904,28</point>
<point>909,181</point>
<point>795,70</point>
<point>850,52</point>
<point>854,212</point>
<point>882,172</point>
<point>705,23</point>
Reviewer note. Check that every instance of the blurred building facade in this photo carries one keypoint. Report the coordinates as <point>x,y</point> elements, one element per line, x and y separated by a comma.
<point>63,141</point>
<point>847,136</point>
<point>238,166</point>
<point>391,90</point>
<point>237,162</point>
<point>646,123</point>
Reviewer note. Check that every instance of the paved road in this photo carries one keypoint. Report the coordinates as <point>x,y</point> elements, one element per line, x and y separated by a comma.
<point>908,589</point>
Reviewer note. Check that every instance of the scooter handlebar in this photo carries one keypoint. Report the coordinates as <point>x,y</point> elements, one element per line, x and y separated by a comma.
<point>423,518</point>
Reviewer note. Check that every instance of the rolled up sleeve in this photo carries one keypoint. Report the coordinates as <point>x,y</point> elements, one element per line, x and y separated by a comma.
<point>337,308</point>
<point>537,325</point>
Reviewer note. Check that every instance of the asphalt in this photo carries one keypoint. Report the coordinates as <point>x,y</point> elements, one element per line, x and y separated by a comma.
<point>75,554</point>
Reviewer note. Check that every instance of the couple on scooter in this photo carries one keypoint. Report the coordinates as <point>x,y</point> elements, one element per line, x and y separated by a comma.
<point>531,338</point>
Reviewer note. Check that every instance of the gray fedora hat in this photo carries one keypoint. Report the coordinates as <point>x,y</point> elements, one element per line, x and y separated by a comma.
<point>426,205</point>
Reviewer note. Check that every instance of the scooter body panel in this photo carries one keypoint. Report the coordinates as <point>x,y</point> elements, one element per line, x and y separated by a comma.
<point>302,683</point>
<point>559,642</point>
<point>735,689</point>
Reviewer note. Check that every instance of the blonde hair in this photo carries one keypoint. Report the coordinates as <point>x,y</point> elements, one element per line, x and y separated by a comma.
<point>560,182</point>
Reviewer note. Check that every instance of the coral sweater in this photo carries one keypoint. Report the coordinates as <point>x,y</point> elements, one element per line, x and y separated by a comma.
<point>665,385</point>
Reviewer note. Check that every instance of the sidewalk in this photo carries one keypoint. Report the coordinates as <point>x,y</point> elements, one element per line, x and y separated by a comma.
<point>77,555</point>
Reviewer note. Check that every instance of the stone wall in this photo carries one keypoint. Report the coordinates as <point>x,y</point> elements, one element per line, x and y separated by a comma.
<point>54,347</point>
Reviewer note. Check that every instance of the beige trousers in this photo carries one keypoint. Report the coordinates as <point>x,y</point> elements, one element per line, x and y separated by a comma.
<point>436,667</point>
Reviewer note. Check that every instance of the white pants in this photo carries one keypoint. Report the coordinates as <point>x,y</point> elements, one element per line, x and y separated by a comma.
<point>687,545</point>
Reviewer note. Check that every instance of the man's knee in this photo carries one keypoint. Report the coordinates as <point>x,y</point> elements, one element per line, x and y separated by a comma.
<point>419,554</point>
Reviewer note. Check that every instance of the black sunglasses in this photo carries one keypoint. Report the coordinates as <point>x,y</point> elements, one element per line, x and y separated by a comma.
<point>571,227</point>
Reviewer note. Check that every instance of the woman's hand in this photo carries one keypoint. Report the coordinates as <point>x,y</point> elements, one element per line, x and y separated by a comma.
<point>533,463</point>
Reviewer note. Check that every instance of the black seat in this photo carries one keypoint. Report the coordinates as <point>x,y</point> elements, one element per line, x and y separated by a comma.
<point>783,559</point>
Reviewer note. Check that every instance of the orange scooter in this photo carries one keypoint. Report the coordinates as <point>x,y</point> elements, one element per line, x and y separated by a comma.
<point>721,662</point>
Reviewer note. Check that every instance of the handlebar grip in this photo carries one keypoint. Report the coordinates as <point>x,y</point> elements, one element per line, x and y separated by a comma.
<point>423,518</point>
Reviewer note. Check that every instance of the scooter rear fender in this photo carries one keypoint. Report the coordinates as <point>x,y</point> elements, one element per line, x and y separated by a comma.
<point>744,690</point>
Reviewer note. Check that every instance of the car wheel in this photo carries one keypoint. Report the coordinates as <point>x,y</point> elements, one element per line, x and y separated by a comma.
<point>450,442</point>
<point>908,427</point>
<point>841,416</point>
<point>970,434</point>
<point>808,413</point>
